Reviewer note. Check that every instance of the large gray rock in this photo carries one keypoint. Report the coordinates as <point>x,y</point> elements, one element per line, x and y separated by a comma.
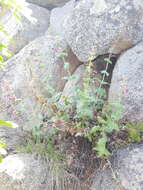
<point>71,86</point>
<point>12,137</point>
<point>17,100</point>
<point>25,80</point>
<point>58,17</point>
<point>96,27</point>
<point>28,172</point>
<point>124,172</point>
<point>24,31</point>
<point>50,4</point>
<point>127,84</point>
<point>23,172</point>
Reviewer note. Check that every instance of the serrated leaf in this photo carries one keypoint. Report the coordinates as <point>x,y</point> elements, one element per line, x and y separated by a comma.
<point>101,92</point>
<point>88,137</point>
<point>107,60</point>
<point>72,77</point>
<point>116,116</point>
<point>50,90</point>
<point>63,54</point>
<point>94,130</point>
<point>101,120</point>
<point>66,101</point>
<point>101,147</point>
<point>66,66</point>
<point>55,97</point>
<point>134,135</point>
<point>110,126</point>
<point>105,72</point>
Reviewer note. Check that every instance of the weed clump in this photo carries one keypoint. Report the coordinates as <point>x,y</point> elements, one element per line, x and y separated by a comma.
<point>85,132</point>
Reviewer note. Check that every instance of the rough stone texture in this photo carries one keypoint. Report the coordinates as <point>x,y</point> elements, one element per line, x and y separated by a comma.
<point>58,17</point>
<point>70,87</point>
<point>96,27</point>
<point>45,60</point>
<point>18,101</point>
<point>23,172</point>
<point>103,180</point>
<point>24,31</point>
<point>12,137</point>
<point>50,4</point>
<point>25,79</point>
<point>127,165</point>
<point>28,172</point>
<point>127,84</point>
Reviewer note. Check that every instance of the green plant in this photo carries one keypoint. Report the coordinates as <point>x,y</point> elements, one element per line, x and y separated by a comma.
<point>91,112</point>
<point>90,116</point>
<point>108,121</point>
<point>91,106</point>
<point>89,99</point>
<point>135,131</point>
<point>41,143</point>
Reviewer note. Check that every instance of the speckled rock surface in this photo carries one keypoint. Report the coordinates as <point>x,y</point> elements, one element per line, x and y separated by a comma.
<point>26,77</point>
<point>101,26</point>
<point>127,166</point>
<point>29,172</point>
<point>127,84</point>
<point>24,172</point>
<point>71,86</point>
<point>12,137</point>
<point>49,4</point>
<point>58,17</point>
